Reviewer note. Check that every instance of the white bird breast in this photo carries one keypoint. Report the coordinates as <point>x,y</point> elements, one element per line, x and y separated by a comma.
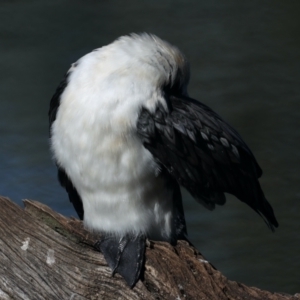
<point>93,139</point>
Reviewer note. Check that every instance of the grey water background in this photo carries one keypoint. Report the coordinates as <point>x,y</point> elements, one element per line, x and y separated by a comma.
<point>245,64</point>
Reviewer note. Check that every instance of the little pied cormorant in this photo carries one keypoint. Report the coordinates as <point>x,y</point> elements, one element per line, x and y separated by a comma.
<point>125,136</point>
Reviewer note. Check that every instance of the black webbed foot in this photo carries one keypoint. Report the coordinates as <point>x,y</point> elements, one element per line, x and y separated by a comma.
<point>124,255</point>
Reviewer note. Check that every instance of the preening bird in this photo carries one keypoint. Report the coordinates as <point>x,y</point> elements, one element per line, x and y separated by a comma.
<point>125,136</point>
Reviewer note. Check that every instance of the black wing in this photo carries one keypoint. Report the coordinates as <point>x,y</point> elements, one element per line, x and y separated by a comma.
<point>204,154</point>
<point>62,176</point>
<point>55,101</point>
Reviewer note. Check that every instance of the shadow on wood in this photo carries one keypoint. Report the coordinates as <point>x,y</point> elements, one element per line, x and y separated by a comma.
<point>45,255</point>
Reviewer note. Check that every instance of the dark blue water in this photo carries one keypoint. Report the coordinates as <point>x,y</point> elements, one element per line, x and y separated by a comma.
<point>245,62</point>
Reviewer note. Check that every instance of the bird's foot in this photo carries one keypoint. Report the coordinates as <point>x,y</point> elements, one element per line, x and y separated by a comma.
<point>124,255</point>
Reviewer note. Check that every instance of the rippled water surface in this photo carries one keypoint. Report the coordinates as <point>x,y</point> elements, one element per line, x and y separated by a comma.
<point>245,62</point>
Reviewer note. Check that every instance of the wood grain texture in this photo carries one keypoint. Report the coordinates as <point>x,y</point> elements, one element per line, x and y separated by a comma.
<point>44,255</point>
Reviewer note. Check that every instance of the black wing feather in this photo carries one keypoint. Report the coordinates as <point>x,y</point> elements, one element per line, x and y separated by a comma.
<point>62,176</point>
<point>55,101</point>
<point>72,192</point>
<point>204,154</point>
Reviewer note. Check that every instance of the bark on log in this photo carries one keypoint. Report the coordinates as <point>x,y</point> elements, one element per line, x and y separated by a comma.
<point>45,255</point>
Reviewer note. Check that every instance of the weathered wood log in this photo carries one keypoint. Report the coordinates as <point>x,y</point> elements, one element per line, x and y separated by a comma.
<point>45,255</point>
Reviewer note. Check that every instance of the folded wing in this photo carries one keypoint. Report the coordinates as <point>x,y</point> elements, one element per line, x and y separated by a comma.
<point>204,154</point>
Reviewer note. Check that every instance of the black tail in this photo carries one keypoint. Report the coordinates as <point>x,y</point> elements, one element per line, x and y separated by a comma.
<point>267,213</point>
<point>257,201</point>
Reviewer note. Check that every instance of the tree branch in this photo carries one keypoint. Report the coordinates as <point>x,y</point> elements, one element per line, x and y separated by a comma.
<point>44,255</point>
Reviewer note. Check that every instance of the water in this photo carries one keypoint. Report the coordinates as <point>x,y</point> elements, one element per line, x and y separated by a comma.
<point>245,61</point>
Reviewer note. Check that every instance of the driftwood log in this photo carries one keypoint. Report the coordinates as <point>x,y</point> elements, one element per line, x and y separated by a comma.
<point>44,255</point>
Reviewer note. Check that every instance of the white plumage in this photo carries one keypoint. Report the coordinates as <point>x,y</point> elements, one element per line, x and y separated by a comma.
<point>94,135</point>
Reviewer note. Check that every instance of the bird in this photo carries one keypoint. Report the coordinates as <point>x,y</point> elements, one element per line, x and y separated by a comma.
<point>125,136</point>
